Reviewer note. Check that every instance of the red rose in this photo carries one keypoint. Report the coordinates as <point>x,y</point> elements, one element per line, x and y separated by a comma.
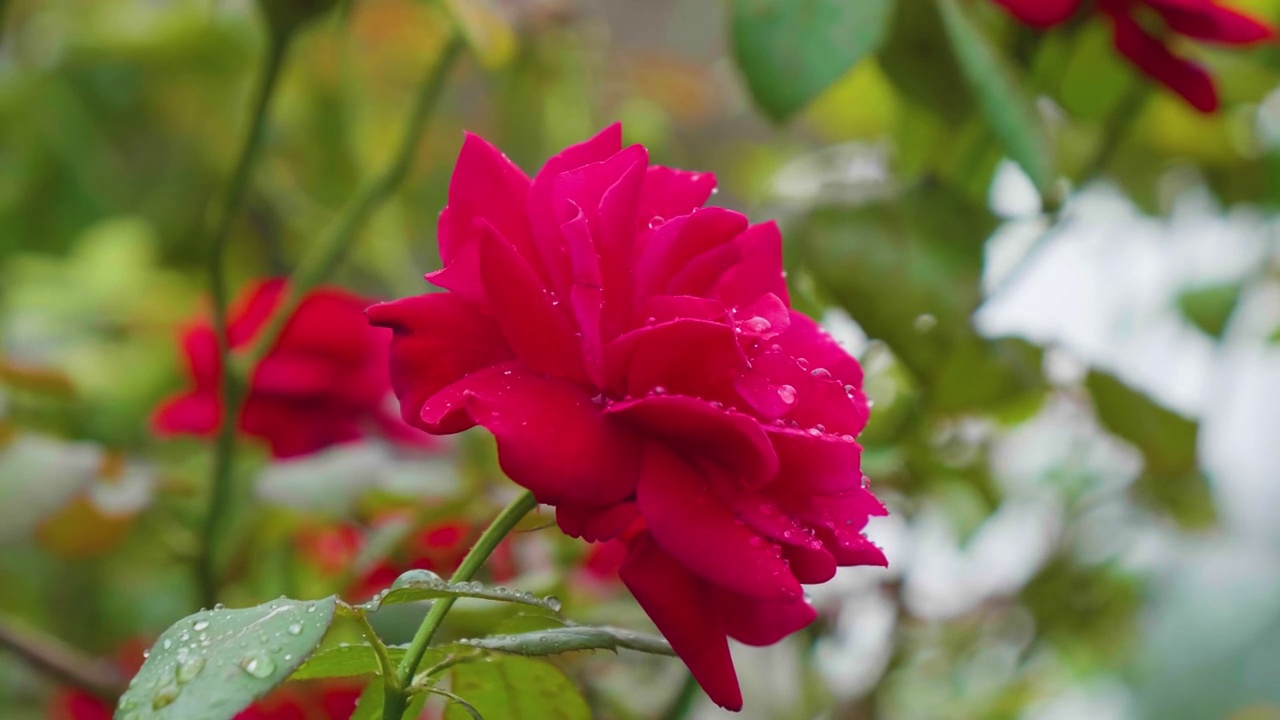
<point>636,358</point>
<point>324,382</point>
<point>1203,20</point>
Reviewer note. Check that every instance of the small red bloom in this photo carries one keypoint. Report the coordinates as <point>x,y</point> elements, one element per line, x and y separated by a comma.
<point>325,382</point>
<point>1202,20</point>
<point>637,360</point>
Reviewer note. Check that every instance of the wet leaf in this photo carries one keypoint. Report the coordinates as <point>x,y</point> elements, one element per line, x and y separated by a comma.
<point>416,585</point>
<point>571,639</point>
<point>516,687</point>
<point>215,663</point>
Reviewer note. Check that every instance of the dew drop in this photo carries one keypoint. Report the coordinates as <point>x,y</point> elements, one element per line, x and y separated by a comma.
<point>659,390</point>
<point>787,394</point>
<point>146,654</point>
<point>815,432</point>
<point>821,373</point>
<point>294,629</point>
<point>553,602</point>
<point>803,363</point>
<point>717,404</point>
<point>925,323</point>
<point>757,324</point>
<point>167,644</point>
<point>598,399</point>
<point>820,428</point>
<point>311,608</point>
<point>189,668</point>
<point>258,665</point>
<point>200,625</point>
<point>165,696</point>
<point>656,221</point>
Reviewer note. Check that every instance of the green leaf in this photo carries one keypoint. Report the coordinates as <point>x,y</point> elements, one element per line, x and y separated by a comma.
<point>1209,308</point>
<point>351,661</point>
<point>571,639</point>
<point>1008,107</point>
<point>516,688</point>
<point>416,585</point>
<point>369,706</point>
<point>215,663</point>
<point>921,65</point>
<point>791,50</point>
<point>1166,440</point>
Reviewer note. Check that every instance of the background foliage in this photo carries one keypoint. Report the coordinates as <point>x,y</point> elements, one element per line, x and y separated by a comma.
<point>1064,285</point>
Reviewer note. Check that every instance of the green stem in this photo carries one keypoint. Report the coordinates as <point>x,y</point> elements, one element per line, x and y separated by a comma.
<point>397,688</point>
<point>231,390</point>
<point>385,666</point>
<point>326,254</point>
<point>1115,129</point>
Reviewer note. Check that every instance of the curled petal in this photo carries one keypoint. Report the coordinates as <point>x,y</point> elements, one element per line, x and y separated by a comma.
<point>689,522</point>
<point>669,193</point>
<point>553,438</point>
<point>437,339</point>
<point>676,601</point>
<point>488,187</point>
<point>702,431</point>
<point>762,622</point>
<point>676,243</point>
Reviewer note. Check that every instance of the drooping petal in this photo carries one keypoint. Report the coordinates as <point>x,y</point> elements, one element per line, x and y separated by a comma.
<point>1155,59</point>
<point>437,339</point>
<point>554,439</point>
<point>688,521</point>
<point>762,622</point>
<point>1210,22</point>
<point>534,327</point>
<point>703,432</point>
<point>1041,13</point>
<point>676,601</point>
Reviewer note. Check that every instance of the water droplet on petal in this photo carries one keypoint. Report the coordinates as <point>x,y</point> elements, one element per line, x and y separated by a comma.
<point>787,394</point>
<point>821,373</point>
<point>659,390</point>
<point>803,363</point>
<point>815,432</point>
<point>757,324</point>
<point>656,221</point>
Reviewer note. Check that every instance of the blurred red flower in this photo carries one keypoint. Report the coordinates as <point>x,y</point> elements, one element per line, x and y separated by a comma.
<point>1133,20</point>
<point>637,360</point>
<point>323,383</point>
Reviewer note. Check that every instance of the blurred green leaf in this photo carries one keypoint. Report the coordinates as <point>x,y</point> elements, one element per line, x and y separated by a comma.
<point>1008,107</point>
<point>1166,440</point>
<point>789,51</point>
<point>919,61</point>
<point>516,687</point>
<point>1209,308</point>
<point>1087,611</point>
<point>215,663</point>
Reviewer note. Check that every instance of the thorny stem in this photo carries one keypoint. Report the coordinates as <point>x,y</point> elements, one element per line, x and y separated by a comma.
<point>60,661</point>
<point>231,389</point>
<point>326,254</point>
<point>397,688</point>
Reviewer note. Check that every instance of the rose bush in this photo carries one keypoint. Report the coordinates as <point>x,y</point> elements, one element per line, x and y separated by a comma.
<point>635,356</point>
<point>324,382</point>
<point>1201,20</point>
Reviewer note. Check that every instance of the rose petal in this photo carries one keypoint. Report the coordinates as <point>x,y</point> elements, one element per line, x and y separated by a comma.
<point>683,357</point>
<point>762,622</point>
<point>595,524</point>
<point>193,413</point>
<point>759,269</point>
<point>669,192</point>
<point>673,245</point>
<point>485,186</point>
<point>535,328</point>
<point>554,439</point>
<point>701,431</point>
<point>688,521</point>
<point>1155,59</point>
<point>676,602</point>
<point>437,339</point>
<point>1041,13</point>
<point>1210,22</point>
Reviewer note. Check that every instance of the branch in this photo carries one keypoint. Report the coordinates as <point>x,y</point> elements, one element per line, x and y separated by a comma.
<point>61,661</point>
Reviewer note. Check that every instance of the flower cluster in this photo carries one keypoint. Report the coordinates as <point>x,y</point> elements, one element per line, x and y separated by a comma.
<point>636,357</point>
<point>1132,22</point>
